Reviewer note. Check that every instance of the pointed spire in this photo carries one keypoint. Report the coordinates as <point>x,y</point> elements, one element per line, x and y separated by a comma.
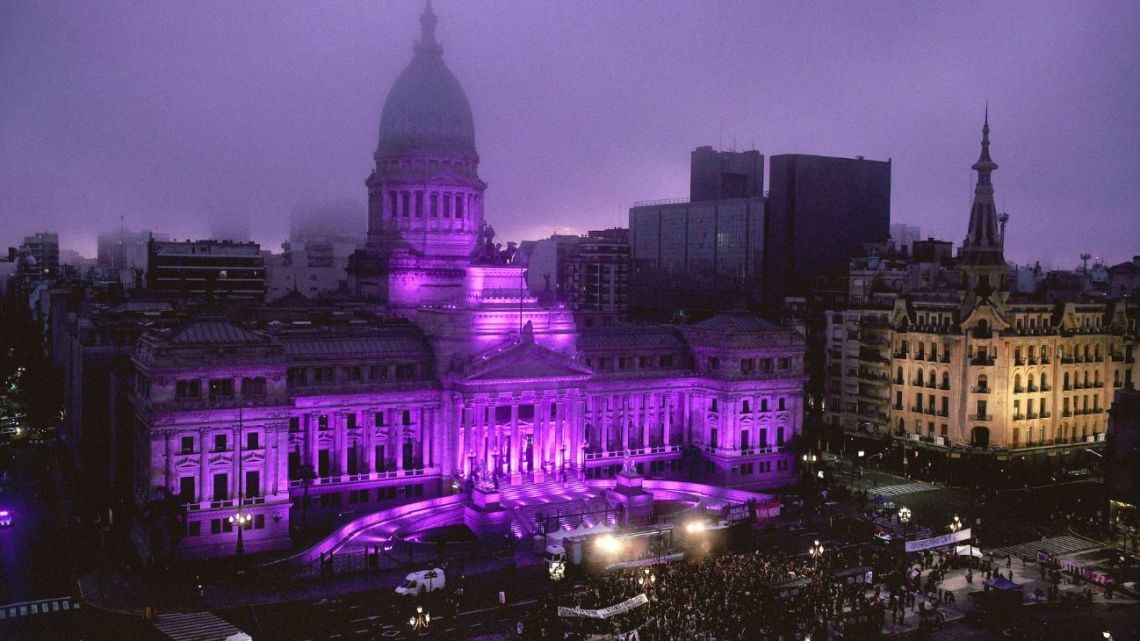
<point>427,41</point>
<point>985,164</point>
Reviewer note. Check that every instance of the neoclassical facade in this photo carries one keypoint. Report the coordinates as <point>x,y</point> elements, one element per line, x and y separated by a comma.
<point>460,375</point>
<point>973,367</point>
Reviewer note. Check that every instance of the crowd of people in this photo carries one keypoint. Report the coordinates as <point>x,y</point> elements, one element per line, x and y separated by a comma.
<point>733,597</point>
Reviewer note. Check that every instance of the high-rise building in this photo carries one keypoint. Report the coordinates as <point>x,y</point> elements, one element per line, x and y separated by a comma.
<point>597,274</point>
<point>821,212</point>
<point>206,268</point>
<point>39,257</point>
<point>960,365</point>
<point>904,237</point>
<point>719,230</point>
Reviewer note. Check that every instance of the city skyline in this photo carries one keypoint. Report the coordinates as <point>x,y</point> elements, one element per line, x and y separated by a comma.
<point>171,120</point>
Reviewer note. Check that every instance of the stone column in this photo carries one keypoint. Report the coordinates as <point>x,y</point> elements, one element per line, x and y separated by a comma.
<point>516,453</point>
<point>623,427</point>
<point>560,430</point>
<point>310,436</point>
<point>398,438</point>
<point>369,442</point>
<point>237,481</point>
<point>168,458</point>
<point>281,478</point>
<point>340,434</point>
<point>205,485</point>
<point>577,411</point>
<point>667,401</point>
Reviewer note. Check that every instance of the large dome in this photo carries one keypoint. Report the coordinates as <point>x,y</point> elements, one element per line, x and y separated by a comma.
<point>427,111</point>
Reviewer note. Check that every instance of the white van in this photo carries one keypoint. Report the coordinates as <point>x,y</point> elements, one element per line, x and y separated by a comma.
<point>422,582</point>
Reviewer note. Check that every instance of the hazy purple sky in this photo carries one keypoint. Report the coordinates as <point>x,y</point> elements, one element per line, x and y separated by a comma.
<point>171,113</point>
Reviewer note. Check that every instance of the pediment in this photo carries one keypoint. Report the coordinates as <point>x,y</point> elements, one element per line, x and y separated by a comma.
<point>527,361</point>
<point>984,311</point>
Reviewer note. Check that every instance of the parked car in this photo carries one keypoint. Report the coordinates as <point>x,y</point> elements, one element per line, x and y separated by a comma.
<point>5,518</point>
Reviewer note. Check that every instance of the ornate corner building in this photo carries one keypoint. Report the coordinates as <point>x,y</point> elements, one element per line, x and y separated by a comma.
<point>963,366</point>
<point>460,374</point>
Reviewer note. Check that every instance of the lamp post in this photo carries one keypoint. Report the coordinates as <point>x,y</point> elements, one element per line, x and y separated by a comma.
<point>420,620</point>
<point>955,525</point>
<point>904,518</point>
<point>816,551</point>
<point>809,461</point>
<point>239,520</point>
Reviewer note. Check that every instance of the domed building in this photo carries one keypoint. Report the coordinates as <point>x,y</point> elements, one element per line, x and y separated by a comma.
<point>425,198</point>
<point>299,418</point>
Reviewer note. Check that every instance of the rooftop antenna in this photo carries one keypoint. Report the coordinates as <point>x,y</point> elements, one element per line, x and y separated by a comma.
<point>720,146</point>
<point>1085,261</point>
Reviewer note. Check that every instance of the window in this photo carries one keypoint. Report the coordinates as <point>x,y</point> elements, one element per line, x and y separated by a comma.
<point>434,200</point>
<point>447,205</point>
<point>779,437</point>
<point>252,441</point>
<point>294,424</point>
<point>407,417</point>
<point>378,372</point>
<point>353,373</point>
<point>405,372</point>
<point>187,445</point>
<point>712,406</point>
<point>744,409</point>
<point>350,418</point>
<point>405,204</point>
<point>194,528</point>
<point>215,526</point>
<point>188,389</point>
<point>621,362</point>
<point>419,204</point>
<point>379,419</point>
<point>781,404</point>
<point>714,363</point>
<point>252,483</point>
<point>186,492</point>
<point>221,388</point>
<point>221,487</point>
<point>666,361</point>
<point>763,405</point>
<point>142,385</point>
<point>253,387</point>
<point>643,362</point>
<point>296,376</point>
<point>747,365</point>
<point>323,374</point>
<point>459,205</point>
<point>784,364</point>
<point>220,443</point>
<point>323,422</point>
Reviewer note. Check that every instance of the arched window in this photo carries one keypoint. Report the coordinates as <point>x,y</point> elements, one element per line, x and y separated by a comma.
<point>899,376</point>
<point>1086,378</point>
<point>982,380</point>
<point>1067,385</point>
<point>1044,381</point>
<point>1096,377</point>
<point>1017,382</point>
<point>932,381</point>
<point>945,380</point>
<point>902,426</point>
<point>1032,387</point>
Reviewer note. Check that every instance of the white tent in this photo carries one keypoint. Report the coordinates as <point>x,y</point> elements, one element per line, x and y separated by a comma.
<point>556,537</point>
<point>968,550</point>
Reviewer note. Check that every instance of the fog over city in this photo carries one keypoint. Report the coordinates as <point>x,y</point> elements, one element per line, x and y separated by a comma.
<point>172,115</point>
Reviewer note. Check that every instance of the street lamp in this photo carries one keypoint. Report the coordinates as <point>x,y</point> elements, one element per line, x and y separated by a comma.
<point>904,518</point>
<point>421,620</point>
<point>816,551</point>
<point>956,524</point>
<point>239,520</point>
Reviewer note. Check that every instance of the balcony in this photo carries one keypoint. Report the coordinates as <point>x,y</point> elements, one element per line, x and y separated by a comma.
<point>916,409</point>
<point>980,390</point>
<point>945,358</point>
<point>1116,357</point>
<point>981,361</point>
<point>1018,390</point>
<point>900,354</point>
<point>1019,417</point>
<point>1044,360</point>
<point>944,413</point>
<point>981,417</point>
<point>1032,388</point>
<point>1032,360</point>
<point>897,408</point>
<point>1019,362</point>
<point>1066,414</point>
<point>917,383</point>
<point>932,384</point>
<point>1031,416</point>
<point>944,386</point>
<point>1067,388</point>
<point>1067,360</point>
<point>1046,388</point>
<point>1046,415</point>
<point>931,411</point>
